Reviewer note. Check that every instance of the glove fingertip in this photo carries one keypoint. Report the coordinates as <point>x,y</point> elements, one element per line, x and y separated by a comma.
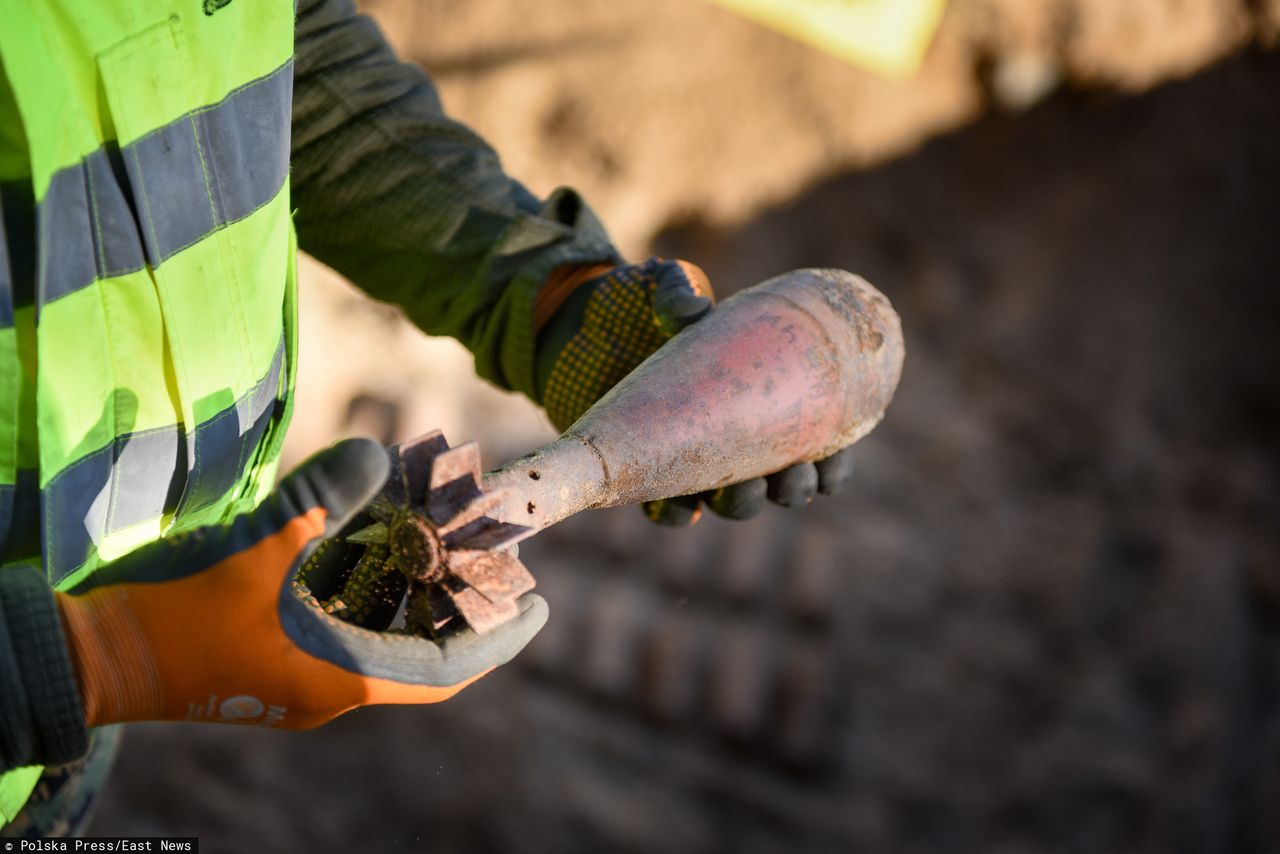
<point>534,612</point>
<point>698,279</point>
<point>673,512</point>
<point>682,295</point>
<point>341,478</point>
<point>794,486</point>
<point>835,471</point>
<point>740,501</point>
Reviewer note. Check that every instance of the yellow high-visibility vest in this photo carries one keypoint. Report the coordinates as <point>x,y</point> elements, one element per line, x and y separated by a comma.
<point>147,287</point>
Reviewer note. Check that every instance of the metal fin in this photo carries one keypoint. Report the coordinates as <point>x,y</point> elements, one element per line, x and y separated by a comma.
<point>477,580</point>
<point>496,576</point>
<point>481,614</point>
<point>466,506</point>
<point>416,458</point>
<point>462,461</point>
<point>487,534</point>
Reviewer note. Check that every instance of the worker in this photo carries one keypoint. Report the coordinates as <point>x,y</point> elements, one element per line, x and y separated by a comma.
<point>160,161</point>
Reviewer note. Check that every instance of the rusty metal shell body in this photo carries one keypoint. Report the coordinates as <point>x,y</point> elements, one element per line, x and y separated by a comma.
<point>790,370</point>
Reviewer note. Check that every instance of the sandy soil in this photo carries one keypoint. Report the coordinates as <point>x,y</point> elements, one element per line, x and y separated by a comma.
<point>1046,615</point>
<point>667,109</point>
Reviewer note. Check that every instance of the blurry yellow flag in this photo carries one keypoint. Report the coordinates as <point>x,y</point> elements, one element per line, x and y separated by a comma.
<point>889,37</point>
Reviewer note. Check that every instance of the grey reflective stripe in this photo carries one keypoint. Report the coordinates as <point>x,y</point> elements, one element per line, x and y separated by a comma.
<point>213,166</point>
<point>86,227</point>
<point>149,471</point>
<point>111,212</point>
<point>237,428</point>
<point>144,475</point>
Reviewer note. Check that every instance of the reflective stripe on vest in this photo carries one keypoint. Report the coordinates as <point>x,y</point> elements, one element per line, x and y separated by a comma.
<point>147,294</point>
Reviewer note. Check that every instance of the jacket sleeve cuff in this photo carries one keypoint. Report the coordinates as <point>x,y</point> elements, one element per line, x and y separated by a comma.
<point>41,716</point>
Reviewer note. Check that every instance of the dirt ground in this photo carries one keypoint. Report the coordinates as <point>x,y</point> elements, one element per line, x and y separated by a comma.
<point>1046,614</point>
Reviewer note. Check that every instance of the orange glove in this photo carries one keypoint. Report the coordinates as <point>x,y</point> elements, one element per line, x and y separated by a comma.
<point>206,626</point>
<point>596,323</point>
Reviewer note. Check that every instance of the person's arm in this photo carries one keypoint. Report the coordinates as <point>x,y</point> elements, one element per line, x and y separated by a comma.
<point>415,208</point>
<point>41,719</point>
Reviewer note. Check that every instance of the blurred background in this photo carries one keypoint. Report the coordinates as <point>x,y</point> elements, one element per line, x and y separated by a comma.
<point>1045,615</point>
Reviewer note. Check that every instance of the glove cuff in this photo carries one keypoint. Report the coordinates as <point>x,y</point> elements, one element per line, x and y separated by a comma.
<point>559,286</point>
<point>41,720</point>
<point>114,666</point>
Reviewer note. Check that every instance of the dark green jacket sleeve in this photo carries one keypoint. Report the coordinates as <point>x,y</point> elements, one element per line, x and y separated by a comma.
<point>41,718</point>
<point>413,207</point>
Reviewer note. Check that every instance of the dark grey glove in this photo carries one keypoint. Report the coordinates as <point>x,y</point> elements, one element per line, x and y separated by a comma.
<point>794,486</point>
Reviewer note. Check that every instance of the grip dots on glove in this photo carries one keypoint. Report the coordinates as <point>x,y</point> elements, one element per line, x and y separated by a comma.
<point>619,331</point>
